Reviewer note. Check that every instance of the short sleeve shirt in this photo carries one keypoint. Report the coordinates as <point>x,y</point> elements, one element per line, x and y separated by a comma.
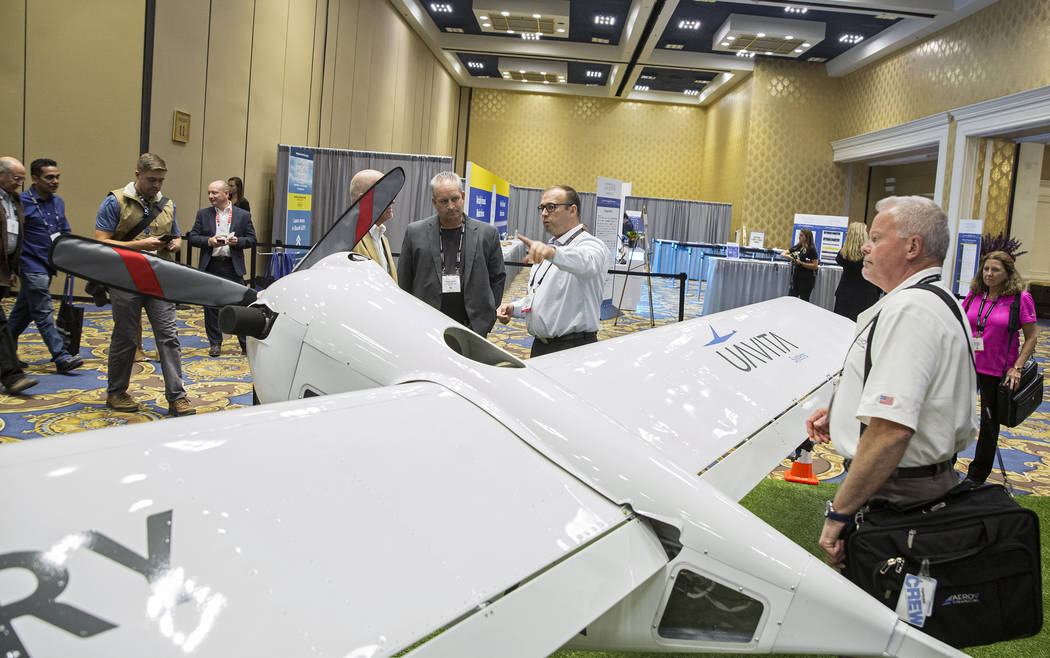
<point>1000,348</point>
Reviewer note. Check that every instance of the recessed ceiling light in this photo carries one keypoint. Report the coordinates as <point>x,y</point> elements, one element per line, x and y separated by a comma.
<point>795,10</point>
<point>725,43</point>
<point>744,53</point>
<point>484,18</point>
<point>641,87</point>
<point>768,53</point>
<point>476,65</point>
<point>510,31</point>
<point>535,15</point>
<point>805,45</point>
<point>504,13</point>
<point>486,25</point>
<point>798,50</point>
<point>674,46</point>
<point>851,38</point>
<point>602,19</point>
<point>760,34</point>
<point>531,36</point>
<point>788,37</point>
<point>441,7</point>
<point>730,38</point>
<point>599,40</point>
<point>546,82</point>
<point>688,25</point>
<point>453,29</point>
<point>561,29</point>
<point>522,71</point>
<point>594,74</point>
<point>647,77</point>
<point>691,92</point>
<point>817,59</point>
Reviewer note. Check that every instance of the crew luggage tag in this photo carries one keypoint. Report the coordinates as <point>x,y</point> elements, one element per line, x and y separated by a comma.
<point>978,343</point>
<point>449,283</point>
<point>916,599</point>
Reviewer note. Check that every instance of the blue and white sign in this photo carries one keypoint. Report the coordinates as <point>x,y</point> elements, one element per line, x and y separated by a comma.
<point>608,224</point>
<point>829,232</point>
<point>967,253</point>
<point>300,196</point>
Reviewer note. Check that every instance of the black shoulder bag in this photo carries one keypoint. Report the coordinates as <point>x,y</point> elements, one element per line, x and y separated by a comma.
<point>1017,405</point>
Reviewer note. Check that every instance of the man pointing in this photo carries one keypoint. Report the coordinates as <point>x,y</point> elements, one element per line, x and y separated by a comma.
<point>562,303</point>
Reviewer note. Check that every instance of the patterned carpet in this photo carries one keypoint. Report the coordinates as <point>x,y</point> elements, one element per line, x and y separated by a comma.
<point>66,404</point>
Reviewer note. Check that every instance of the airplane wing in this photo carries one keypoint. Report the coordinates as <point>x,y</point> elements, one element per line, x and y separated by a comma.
<point>351,525</point>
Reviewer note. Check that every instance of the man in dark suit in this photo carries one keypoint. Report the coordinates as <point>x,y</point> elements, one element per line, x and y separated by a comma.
<point>453,262</point>
<point>222,231</point>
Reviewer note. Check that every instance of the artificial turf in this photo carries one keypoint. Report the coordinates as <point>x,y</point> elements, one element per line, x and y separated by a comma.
<point>796,510</point>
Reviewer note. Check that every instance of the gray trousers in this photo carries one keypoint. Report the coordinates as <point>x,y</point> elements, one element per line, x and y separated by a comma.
<point>127,315</point>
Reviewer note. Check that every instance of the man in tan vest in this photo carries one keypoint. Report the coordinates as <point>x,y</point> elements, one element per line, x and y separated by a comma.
<point>138,217</point>
<point>374,245</point>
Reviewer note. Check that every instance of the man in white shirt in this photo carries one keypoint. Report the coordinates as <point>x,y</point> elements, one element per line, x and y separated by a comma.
<point>563,300</point>
<point>12,175</point>
<point>374,244</point>
<point>900,421</point>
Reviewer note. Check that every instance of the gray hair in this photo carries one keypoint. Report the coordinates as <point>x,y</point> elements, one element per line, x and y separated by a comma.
<point>7,164</point>
<point>917,215</point>
<point>445,178</point>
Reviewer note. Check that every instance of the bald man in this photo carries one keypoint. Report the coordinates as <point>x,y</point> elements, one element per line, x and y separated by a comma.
<point>222,232</point>
<point>12,175</point>
<point>376,235</point>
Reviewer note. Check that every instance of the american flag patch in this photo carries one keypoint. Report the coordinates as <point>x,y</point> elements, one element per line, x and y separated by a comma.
<point>886,400</point>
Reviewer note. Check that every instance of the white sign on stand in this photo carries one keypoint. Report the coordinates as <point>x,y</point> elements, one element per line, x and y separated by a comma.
<point>608,224</point>
<point>967,253</point>
<point>756,239</point>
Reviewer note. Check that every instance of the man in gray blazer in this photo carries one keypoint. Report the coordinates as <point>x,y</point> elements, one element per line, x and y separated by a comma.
<point>453,262</point>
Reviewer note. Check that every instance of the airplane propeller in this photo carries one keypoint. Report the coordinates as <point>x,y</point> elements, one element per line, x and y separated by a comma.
<point>141,273</point>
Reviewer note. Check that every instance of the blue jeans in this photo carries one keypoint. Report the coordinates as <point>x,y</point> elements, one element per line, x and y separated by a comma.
<point>34,302</point>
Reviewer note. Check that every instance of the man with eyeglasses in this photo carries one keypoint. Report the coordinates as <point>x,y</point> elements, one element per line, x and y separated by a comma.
<point>12,175</point>
<point>453,262</point>
<point>562,303</point>
<point>45,220</point>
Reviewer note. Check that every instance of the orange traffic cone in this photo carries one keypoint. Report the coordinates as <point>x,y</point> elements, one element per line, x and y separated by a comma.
<point>802,469</point>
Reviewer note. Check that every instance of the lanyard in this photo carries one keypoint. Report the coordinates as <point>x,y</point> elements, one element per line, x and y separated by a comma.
<point>441,248</point>
<point>550,264</point>
<point>219,214</point>
<point>981,322</point>
<point>43,215</point>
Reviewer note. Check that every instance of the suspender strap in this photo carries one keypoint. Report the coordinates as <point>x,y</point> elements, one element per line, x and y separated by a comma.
<point>147,218</point>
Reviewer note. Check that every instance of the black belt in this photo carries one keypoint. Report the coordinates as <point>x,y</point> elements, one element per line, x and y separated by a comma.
<point>572,336</point>
<point>906,472</point>
<point>220,258</point>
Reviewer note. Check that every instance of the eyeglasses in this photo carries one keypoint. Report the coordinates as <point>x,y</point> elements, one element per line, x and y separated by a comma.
<point>549,207</point>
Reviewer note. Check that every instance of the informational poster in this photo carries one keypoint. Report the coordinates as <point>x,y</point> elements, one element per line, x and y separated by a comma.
<point>756,239</point>
<point>967,253</point>
<point>634,217</point>
<point>828,233</point>
<point>300,195</point>
<point>488,197</point>
<point>607,227</point>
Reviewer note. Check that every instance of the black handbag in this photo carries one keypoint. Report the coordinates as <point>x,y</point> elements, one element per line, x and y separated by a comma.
<point>1018,404</point>
<point>980,546</point>
<point>70,321</point>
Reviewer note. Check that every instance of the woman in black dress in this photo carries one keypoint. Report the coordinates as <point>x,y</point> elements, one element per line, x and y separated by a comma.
<point>237,194</point>
<point>804,265</point>
<point>855,293</point>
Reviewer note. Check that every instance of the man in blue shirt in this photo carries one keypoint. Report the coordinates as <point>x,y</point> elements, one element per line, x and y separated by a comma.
<point>45,219</point>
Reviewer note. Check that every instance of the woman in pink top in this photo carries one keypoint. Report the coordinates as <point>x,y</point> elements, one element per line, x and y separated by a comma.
<point>992,293</point>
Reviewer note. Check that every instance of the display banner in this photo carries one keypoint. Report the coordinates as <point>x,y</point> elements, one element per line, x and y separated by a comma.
<point>967,254</point>
<point>607,227</point>
<point>829,231</point>
<point>300,195</point>
<point>488,197</point>
<point>634,217</point>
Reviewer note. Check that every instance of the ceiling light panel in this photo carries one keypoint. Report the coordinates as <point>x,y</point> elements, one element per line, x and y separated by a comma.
<point>786,37</point>
<point>540,71</point>
<point>547,18</point>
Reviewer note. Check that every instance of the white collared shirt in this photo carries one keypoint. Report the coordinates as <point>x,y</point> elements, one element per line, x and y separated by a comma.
<point>376,232</point>
<point>223,219</point>
<point>566,292</point>
<point>921,376</point>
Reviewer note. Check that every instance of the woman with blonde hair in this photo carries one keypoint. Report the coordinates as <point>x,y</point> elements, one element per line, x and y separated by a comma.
<point>855,293</point>
<point>995,291</point>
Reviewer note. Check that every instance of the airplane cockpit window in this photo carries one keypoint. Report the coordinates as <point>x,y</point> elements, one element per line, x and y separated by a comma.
<point>700,609</point>
<point>476,348</point>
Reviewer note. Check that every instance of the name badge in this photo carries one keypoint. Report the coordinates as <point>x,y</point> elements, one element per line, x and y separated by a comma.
<point>916,600</point>
<point>449,283</point>
<point>526,304</point>
<point>978,343</point>
<point>54,236</point>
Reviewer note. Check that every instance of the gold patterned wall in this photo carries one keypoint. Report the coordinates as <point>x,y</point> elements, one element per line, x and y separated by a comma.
<point>1000,50</point>
<point>995,178</point>
<point>725,148</point>
<point>789,167</point>
<point>537,140</point>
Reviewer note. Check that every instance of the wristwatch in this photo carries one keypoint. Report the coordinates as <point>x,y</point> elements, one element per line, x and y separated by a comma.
<point>830,513</point>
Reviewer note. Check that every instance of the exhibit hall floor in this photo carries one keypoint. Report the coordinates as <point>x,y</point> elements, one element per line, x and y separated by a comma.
<point>62,405</point>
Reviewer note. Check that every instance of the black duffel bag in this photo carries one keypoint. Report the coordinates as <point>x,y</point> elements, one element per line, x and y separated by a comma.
<point>980,546</point>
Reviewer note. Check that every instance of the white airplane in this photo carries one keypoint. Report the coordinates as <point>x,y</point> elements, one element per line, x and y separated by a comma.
<point>411,488</point>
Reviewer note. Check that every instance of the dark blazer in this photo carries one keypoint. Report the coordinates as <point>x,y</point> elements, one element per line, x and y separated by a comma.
<point>9,266</point>
<point>419,267</point>
<point>240,225</point>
